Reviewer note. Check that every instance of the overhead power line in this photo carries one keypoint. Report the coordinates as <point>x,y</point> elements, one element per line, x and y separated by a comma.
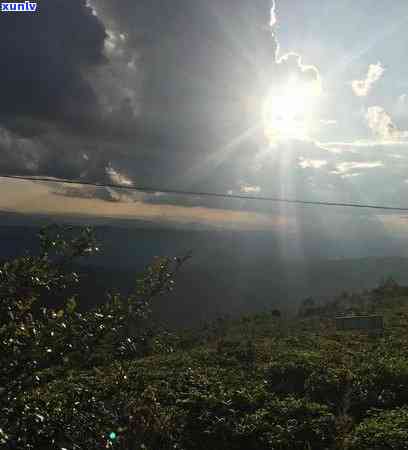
<point>153,190</point>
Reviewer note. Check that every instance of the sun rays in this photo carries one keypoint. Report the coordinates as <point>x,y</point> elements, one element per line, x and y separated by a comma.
<point>289,112</point>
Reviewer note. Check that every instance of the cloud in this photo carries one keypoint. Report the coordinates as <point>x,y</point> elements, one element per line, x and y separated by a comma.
<point>351,175</point>
<point>273,18</point>
<point>140,85</point>
<point>97,193</point>
<point>45,78</point>
<point>89,192</point>
<point>353,146</point>
<point>19,152</point>
<point>47,101</point>
<point>293,61</point>
<point>250,189</point>
<point>118,178</point>
<point>38,198</point>
<point>143,91</point>
<point>305,163</point>
<point>344,167</point>
<point>382,125</point>
<point>363,87</point>
<point>114,42</point>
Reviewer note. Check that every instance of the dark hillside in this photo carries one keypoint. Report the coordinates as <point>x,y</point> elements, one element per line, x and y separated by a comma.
<point>112,377</point>
<point>230,272</point>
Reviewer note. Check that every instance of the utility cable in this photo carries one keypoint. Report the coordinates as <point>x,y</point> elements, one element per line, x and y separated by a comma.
<point>153,190</point>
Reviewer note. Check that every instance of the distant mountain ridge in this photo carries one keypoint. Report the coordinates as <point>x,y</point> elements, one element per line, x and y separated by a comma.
<point>230,272</point>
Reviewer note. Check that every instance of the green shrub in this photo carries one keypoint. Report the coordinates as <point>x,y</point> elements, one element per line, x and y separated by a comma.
<point>381,382</point>
<point>249,419</point>
<point>387,430</point>
<point>289,372</point>
<point>40,345</point>
<point>330,385</point>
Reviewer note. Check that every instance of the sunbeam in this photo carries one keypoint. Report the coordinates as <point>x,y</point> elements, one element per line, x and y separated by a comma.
<point>210,163</point>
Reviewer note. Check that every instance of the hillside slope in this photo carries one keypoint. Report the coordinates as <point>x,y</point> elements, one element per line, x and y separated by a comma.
<point>229,273</point>
<point>262,382</point>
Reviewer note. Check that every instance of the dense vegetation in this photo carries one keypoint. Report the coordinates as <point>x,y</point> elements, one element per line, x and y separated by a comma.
<point>112,378</point>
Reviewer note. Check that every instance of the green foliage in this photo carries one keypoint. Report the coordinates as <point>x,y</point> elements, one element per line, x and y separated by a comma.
<point>276,313</point>
<point>39,344</point>
<point>388,429</point>
<point>382,382</point>
<point>289,372</point>
<point>111,378</point>
<point>247,418</point>
<point>330,385</point>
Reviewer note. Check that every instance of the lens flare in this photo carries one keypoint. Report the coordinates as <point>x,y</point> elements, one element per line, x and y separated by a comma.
<point>112,436</point>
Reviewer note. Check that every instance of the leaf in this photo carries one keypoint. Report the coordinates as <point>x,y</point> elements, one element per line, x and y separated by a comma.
<point>71,306</point>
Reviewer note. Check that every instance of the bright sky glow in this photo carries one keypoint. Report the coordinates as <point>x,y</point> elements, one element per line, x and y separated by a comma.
<point>290,113</point>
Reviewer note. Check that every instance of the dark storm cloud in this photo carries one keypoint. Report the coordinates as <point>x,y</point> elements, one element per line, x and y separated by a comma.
<point>164,92</point>
<point>151,86</point>
<point>46,98</point>
<point>201,62</point>
<point>43,56</point>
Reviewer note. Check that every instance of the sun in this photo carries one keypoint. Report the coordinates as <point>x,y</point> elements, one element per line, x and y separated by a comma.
<point>289,113</point>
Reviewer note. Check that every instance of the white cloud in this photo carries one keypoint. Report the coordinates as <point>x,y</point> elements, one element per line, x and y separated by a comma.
<point>311,163</point>
<point>363,87</point>
<point>118,178</point>
<point>351,175</point>
<point>92,8</point>
<point>288,108</point>
<point>381,123</point>
<point>273,19</point>
<point>293,60</point>
<point>247,189</point>
<point>305,85</point>
<point>344,167</point>
<point>111,41</point>
<point>328,121</point>
<point>339,147</point>
<point>306,70</point>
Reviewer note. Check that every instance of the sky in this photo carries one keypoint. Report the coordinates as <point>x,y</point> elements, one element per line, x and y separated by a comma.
<point>295,99</point>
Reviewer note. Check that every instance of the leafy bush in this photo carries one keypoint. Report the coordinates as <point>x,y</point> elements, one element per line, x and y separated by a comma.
<point>289,372</point>
<point>330,385</point>
<point>381,382</point>
<point>388,429</point>
<point>40,344</point>
<point>248,418</point>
